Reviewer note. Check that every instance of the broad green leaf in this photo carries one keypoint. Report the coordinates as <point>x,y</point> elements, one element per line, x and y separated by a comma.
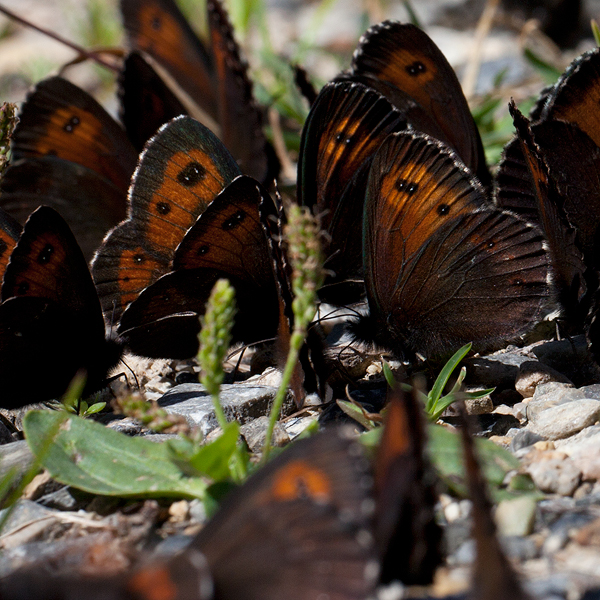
<point>354,412</point>
<point>93,458</point>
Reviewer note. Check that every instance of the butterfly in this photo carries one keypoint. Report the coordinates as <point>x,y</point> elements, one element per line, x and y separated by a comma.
<point>299,528</point>
<point>443,267</point>
<point>406,533</point>
<point>183,168</point>
<point>227,241</point>
<point>69,153</point>
<point>346,125</point>
<point>566,128</point>
<point>492,575</point>
<point>212,76</point>
<point>50,318</point>
<point>566,258</point>
<point>401,62</point>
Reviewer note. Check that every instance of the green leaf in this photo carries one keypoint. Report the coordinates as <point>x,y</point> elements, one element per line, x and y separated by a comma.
<point>595,31</point>
<point>446,453</point>
<point>354,412</point>
<point>93,458</point>
<point>546,70</point>
<point>442,379</point>
<point>211,460</point>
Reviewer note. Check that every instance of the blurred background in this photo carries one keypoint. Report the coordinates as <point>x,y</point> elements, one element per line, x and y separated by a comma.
<point>499,48</point>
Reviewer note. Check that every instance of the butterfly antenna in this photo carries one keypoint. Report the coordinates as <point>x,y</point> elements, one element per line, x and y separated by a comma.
<point>137,381</point>
<point>87,54</point>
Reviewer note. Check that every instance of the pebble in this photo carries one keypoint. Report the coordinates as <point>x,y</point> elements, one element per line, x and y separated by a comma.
<point>533,373</point>
<point>584,449</point>
<point>255,432</point>
<point>564,420</point>
<point>524,438</point>
<point>555,476</point>
<point>240,402</point>
<point>551,394</point>
<point>516,517</point>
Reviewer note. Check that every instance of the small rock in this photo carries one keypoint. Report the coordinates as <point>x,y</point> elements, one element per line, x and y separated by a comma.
<point>584,449</point>
<point>564,420</point>
<point>255,432</point>
<point>519,548</point>
<point>523,439</point>
<point>240,402</point>
<point>516,517</point>
<point>533,373</point>
<point>551,394</point>
<point>15,455</point>
<point>555,476</point>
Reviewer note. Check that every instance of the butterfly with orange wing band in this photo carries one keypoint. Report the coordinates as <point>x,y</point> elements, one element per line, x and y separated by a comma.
<point>400,61</point>
<point>70,154</point>
<point>212,76</point>
<point>443,267</point>
<point>51,323</point>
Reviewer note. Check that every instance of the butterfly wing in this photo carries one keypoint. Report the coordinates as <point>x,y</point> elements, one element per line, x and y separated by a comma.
<point>407,535</point>
<point>442,268</point>
<point>147,102</point>
<point>346,125</point>
<point>181,171</point>
<point>297,529</point>
<point>50,318</point>
<point>576,96</point>
<point>158,28</point>
<point>228,241</point>
<point>403,63</point>
<point>62,120</point>
<point>567,260</point>
<point>90,203</point>
<point>240,118</point>
<point>10,231</point>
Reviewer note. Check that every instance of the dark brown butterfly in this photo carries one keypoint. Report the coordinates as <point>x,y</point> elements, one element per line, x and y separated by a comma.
<point>70,154</point>
<point>50,319</point>
<point>493,577</point>
<point>182,170</point>
<point>298,529</point>
<point>406,533</point>
<point>146,101</point>
<point>213,76</point>
<point>401,62</point>
<point>566,129</point>
<point>346,125</point>
<point>227,241</point>
<point>566,258</point>
<point>442,266</point>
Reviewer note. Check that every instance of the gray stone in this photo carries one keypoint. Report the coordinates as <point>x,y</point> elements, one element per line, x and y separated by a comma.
<point>524,439</point>
<point>17,455</point>
<point>551,394</point>
<point>240,402</point>
<point>519,548</point>
<point>255,432</point>
<point>533,373</point>
<point>565,419</point>
<point>498,370</point>
<point>555,476</point>
<point>584,450</point>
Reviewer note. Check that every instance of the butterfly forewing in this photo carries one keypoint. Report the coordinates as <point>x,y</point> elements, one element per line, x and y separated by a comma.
<point>404,64</point>
<point>147,102</point>
<point>158,28</point>
<point>62,120</point>
<point>346,125</point>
